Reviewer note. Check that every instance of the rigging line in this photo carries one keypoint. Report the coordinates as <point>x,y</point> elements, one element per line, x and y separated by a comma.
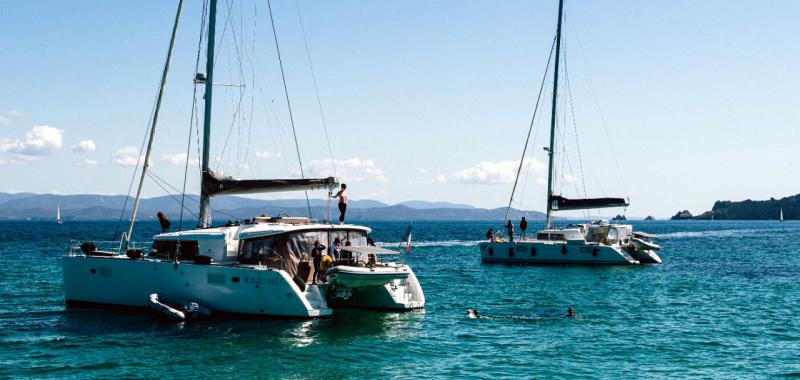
<point>316,88</point>
<point>574,123</point>
<point>530,129</point>
<point>253,75</point>
<point>288,103</point>
<point>230,129</point>
<point>165,183</point>
<point>154,122</point>
<point>174,198</point>
<point>241,89</point>
<point>222,36</point>
<point>153,111</point>
<point>600,111</point>
<point>192,116</point>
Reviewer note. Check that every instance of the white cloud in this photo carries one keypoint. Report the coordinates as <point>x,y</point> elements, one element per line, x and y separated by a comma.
<point>90,162</point>
<point>351,169</point>
<point>127,156</point>
<point>8,118</point>
<point>179,159</point>
<point>500,172</point>
<point>266,154</point>
<point>234,169</point>
<point>40,141</point>
<point>84,146</point>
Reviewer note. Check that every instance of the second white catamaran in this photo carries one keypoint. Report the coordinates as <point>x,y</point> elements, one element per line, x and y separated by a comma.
<point>585,243</point>
<point>262,266</point>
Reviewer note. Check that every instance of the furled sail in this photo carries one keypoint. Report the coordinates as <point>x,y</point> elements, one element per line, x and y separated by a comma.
<point>558,202</point>
<point>216,184</point>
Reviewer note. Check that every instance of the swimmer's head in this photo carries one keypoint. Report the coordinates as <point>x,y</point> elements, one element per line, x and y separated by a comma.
<point>570,312</point>
<point>471,313</point>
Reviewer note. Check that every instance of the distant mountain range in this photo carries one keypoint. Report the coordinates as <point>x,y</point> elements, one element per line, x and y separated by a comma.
<point>749,210</point>
<point>23,206</point>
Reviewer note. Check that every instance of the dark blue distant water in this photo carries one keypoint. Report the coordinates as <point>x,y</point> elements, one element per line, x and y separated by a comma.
<point>724,304</point>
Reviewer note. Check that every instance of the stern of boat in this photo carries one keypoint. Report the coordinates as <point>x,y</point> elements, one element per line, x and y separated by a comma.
<point>398,294</point>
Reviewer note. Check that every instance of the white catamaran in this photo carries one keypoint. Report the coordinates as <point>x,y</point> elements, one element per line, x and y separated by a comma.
<point>586,243</point>
<point>262,266</point>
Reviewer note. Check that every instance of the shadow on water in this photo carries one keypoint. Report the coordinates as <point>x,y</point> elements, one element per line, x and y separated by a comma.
<point>345,324</point>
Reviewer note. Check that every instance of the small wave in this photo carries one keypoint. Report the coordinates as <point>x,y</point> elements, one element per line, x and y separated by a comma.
<point>443,243</point>
<point>718,233</point>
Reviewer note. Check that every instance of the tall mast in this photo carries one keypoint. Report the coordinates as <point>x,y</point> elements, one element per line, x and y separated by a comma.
<point>205,199</point>
<point>153,124</point>
<point>551,150</point>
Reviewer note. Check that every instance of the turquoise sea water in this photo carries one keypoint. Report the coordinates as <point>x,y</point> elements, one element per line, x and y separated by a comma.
<point>724,304</point>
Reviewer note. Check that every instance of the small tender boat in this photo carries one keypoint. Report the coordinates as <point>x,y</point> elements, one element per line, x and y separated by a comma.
<point>361,280</point>
<point>353,277</point>
<point>642,244</point>
<point>175,310</point>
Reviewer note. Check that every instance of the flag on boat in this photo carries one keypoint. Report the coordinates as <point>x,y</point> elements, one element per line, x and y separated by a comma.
<point>407,239</point>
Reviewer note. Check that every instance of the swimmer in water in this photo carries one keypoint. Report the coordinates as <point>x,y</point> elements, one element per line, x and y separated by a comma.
<point>570,313</point>
<point>471,313</point>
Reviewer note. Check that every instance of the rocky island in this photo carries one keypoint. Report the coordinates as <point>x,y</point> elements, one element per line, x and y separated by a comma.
<point>749,210</point>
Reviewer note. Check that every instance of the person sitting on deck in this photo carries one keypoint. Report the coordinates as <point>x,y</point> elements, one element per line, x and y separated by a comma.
<point>163,221</point>
<point>490,235</point>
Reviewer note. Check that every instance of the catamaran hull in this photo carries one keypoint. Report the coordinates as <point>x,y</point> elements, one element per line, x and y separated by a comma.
<point>646,256</point>
<point>399,294</point>
<point>120,281</point>
<point>538,252</point>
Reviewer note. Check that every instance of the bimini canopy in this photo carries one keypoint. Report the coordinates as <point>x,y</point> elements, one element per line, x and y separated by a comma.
<point>215,184</point>
<point>369,249</point>
<point>558,202</point>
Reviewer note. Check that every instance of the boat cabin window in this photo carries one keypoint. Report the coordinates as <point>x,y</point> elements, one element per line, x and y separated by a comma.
<point>169,248</point>
<point>613,236</point>
<point>546,236</point>
<point>356,238</point>
<point>257,250</point>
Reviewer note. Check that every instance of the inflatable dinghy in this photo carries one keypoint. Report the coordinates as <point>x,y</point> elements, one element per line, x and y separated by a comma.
<point>176,311</point>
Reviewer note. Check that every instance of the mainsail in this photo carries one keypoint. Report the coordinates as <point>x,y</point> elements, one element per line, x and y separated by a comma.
<point>216,184</point>
<point>558,202</point>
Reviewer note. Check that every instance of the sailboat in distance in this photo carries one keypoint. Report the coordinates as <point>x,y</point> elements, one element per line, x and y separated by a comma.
<point>58,215</point>
<point>781,219</point>
<point>587,243</point>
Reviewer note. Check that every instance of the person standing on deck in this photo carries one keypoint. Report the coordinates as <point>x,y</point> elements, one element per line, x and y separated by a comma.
<point>342,195</point>
<point>523,225</point>
<point>316,254</point>
<point>510,228</point>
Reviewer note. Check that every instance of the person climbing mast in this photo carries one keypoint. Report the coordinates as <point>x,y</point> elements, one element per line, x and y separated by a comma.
<point>342,195</point>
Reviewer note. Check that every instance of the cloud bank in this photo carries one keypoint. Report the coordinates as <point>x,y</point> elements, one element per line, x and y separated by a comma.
<point>351,169</point>
<point>40,141</point>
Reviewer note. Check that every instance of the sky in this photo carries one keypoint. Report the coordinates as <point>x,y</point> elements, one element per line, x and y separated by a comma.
<point>675,104</point>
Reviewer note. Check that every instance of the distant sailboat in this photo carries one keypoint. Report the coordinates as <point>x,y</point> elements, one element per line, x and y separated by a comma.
<point>58,215</point>
<point>781,216</point>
